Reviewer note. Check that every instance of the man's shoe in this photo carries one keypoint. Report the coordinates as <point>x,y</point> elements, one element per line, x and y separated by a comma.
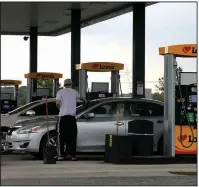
<point>68,157</point>
<point>73,159</point>
<point>59,158</point>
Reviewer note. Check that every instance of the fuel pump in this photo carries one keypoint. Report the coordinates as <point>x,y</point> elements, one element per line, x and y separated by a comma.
<point>9,99</point>
<point>179,133</point>
<point>186,112</point>
<point>112,67</point>
<point>40,92</point>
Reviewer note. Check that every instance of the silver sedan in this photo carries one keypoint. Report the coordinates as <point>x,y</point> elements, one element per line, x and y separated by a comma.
<point>93,121</point>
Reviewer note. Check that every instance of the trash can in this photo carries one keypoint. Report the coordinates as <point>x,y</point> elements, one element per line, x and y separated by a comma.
<point>141,132</point>
<point>117,148</point>
<point>49,154</point>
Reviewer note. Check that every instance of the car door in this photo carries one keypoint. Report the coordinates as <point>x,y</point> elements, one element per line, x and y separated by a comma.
<point>156,115</point>
<point>147,110</point>
<point>91,132</point>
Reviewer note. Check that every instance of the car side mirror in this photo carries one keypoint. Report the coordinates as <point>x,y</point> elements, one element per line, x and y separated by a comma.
<point>30,113</point>
<point>89,115</point>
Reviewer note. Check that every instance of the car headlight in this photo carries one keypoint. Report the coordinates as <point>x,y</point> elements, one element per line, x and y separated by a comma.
<point>27,130</point>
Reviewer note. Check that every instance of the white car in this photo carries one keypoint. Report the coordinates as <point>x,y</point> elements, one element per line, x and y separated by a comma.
<point>29,111</point>
<point>93,122</point>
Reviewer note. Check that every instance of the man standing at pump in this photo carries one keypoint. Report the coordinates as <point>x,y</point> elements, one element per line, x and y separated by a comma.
<point>66,101</point>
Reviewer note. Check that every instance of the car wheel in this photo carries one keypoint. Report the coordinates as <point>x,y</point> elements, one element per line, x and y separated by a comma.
<point>3,144</point>
<point>44,142</point>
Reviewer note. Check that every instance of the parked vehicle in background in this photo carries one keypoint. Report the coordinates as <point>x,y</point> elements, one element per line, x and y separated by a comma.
<point>93,121</point>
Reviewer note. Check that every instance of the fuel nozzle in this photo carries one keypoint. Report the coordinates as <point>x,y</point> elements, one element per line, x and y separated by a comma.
<point>175,64</point>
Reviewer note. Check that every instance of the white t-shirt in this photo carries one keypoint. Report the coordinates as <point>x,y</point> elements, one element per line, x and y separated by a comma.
<point>68,98</point>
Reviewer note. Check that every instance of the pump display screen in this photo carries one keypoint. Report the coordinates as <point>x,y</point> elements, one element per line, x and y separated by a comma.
<point>194,98</point>
<point>6,107</point>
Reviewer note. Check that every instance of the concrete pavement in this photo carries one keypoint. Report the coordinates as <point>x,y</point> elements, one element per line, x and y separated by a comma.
<point>18,171</point>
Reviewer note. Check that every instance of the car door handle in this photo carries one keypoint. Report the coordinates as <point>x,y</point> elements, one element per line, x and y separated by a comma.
<point>159,121</point>
<point>119,123</point>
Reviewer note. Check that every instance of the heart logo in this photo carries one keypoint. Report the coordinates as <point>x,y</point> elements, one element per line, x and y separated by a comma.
<point>186,49</point>
<point>182,138</point>
<point>95,66</point>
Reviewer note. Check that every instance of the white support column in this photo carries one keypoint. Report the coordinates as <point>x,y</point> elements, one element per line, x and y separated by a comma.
<point>169,104</point>
<point>82,83</point>
<point>55,87</point>
<point>165,105</point>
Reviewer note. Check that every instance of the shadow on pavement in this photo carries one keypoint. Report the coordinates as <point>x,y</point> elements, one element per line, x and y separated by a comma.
<point>183,173</point>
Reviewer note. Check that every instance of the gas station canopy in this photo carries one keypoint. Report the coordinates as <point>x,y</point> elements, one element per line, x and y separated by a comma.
<point>54,18</point>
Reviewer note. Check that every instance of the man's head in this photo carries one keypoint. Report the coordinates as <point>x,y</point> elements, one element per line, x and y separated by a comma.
<point>68,83</point>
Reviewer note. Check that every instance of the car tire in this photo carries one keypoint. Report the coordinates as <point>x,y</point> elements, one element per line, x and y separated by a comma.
<point>44,141</point>
<point>160,149</point>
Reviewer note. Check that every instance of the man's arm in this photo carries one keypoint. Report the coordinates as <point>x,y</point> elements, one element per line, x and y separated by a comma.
<point>80,98</point>
<point>58,99</point>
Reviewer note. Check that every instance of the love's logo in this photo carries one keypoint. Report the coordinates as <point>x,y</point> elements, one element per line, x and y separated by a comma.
<point>95,66</point>
<point>186,49</point>
<point>182,138</point>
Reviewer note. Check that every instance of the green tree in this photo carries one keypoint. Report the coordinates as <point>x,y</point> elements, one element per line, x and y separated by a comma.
<point>22,101</point>
<point>160,85</point>
<point>45,83</point>
<point>158,96</point>
<point>23,90</point>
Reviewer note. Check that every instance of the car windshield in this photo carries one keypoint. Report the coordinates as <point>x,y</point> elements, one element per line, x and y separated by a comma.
<point>19,109</point>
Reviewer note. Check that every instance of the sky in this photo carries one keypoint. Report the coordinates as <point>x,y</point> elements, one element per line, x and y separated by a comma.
<point>111,40</point>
